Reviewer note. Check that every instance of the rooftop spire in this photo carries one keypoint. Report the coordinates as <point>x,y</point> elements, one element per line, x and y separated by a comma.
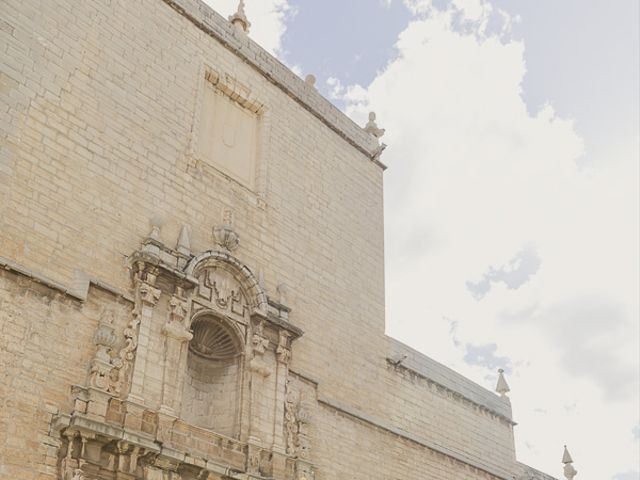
<point>569,471</point>
<point>502,387</point>
<point>239,19</point>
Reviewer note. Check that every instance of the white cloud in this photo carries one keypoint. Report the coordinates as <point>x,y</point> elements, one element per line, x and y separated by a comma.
<point>473,180</point>
<point>267,17</point>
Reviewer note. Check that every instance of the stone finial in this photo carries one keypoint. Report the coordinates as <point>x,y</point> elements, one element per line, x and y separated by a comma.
<point>502,387</point>
<point>372,127</point>
<point>156,223</point>
<point>224,235</point>
<point>240,20</point>
<point>283,293</point>
<point>569,471</point>
<point>184,241</point>
<point>310,80</point>
<point>226,238</point>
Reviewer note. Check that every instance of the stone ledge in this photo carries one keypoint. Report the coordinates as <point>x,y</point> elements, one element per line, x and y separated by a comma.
<point>210,22</point>
<point>80,290</point>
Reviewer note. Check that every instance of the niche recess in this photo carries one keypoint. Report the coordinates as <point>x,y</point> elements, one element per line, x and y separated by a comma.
<point>211,392</point>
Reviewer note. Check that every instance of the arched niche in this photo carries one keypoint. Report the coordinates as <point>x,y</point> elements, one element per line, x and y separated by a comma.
<point>226,296</point>
<point>212,390</point>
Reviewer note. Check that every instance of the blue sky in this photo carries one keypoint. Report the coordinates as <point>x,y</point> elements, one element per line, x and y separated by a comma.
<point>511,199</point>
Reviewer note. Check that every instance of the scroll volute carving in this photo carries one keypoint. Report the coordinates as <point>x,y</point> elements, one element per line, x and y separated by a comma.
<point>111,363</point>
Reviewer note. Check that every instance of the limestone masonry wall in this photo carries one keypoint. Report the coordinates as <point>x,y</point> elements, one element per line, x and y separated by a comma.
<point>101,102</point>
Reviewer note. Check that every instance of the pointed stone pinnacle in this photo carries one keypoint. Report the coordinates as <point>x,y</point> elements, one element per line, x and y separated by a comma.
<point>502,387</point>
<point>184,241</point>
<point>240,20</point>
<point>569,471</point>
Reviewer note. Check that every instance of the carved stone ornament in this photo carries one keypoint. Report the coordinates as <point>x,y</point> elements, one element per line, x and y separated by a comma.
<point>105,371</point>
<point>259,341</point>
<point>290,421</point>
<point>177,326</point>
<point>149,295</point>
<point>220,287</point>
<point>239,19</point>
<point>372,127</point>
<point>78,475</point>
<point>283,351</point>
<point>297,417</point>
<point>304,471</point>
<point>110,369</point>
<point>226,238</point>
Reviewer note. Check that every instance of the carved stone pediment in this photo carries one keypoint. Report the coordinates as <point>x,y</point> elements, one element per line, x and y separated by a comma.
<point>220,288</point>
<point>226,284</point>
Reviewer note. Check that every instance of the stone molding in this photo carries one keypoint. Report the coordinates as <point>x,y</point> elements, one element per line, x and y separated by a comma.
<point>79,293</point>
<point>214,25</point>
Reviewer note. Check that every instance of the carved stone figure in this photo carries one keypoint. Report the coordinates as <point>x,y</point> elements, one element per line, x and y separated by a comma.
<point>283,351</point>
<point>259,342</point>
<point>78,475</point>
<point>290,421</point>
<point>372,127</point>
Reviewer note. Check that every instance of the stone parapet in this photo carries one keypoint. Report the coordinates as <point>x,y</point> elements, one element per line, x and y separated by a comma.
<point>279,74</point>
<point>449,379</point>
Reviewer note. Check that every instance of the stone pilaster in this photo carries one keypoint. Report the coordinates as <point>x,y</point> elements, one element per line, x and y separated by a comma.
<point>177,337</point>
<point>147,296</point>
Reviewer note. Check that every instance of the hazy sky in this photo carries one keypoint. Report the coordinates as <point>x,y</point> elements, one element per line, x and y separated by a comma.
<point>511,198</point>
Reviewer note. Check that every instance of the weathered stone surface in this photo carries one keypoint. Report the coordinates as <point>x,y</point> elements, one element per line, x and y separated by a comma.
<point>126,357</point>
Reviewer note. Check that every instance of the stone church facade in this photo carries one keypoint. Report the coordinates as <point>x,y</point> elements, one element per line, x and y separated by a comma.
<point>191,242</point>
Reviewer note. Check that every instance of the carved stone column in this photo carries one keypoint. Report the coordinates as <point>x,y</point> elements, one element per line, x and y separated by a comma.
<point>177,337</point>
<point>147,296</point>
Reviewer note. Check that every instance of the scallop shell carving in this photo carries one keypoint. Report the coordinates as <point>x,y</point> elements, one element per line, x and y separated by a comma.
<point>212,340</point>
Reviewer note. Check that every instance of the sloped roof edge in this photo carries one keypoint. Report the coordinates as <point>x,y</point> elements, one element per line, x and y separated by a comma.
<point>213,24</point>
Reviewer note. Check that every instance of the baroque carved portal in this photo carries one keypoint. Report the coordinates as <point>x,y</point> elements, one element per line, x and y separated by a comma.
<point>197,363</point>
